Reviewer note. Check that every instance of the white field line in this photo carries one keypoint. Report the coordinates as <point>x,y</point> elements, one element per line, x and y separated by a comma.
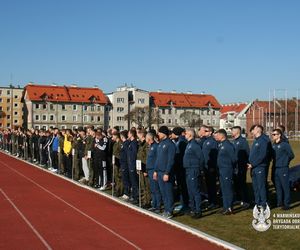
<point>26,220</point>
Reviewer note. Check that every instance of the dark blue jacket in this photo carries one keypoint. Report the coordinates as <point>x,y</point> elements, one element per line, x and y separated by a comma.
<point>226,156</point>
<point>241,148</point>
<point>180,145</point>
<point>259,153</point>
<point>123,154</point>
<point>201,141</point>
<point>210,152</point>
<point>132,154</point>
<point>151,156</point>
<point>282,154</point>
<point>165,156</point>
<point>193,156</point>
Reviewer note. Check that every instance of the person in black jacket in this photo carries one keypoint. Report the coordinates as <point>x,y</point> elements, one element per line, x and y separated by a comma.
<point>99,160</point>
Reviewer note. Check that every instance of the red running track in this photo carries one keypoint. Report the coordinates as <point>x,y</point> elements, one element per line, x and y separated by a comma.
<point>41,211</point>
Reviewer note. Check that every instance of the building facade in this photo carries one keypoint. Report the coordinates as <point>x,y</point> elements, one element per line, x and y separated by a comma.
<point>234,114</point>
<point>64,106</point>
<point>11,107</point>
<point>128,106</point>
<point>184,109</point>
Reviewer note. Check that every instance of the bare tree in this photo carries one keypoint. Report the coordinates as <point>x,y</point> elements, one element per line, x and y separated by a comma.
<point>143,117</point>
<point>191,119</point>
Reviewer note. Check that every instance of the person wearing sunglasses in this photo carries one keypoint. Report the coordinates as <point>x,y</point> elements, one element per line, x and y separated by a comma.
<point>282,155</point>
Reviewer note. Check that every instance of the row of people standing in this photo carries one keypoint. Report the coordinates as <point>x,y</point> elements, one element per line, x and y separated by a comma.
<point>156,170</point>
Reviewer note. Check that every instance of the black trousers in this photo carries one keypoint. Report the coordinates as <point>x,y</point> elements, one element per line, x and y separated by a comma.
<point>54,158</point>
<point>67,161</point>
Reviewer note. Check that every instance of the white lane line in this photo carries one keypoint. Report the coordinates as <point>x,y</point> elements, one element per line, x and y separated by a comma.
<point>75,208</point>
<point>26,220</point>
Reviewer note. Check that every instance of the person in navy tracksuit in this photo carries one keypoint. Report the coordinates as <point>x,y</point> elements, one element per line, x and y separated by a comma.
<point>124,164</point>
<point>210,152</point>
<point>282,155</point>
<point>241,148</point>
<point>193,162</point>
<point>131,159</point>
<point>150,164</point>
<point>164,170</point>
<point>179,171</point>
<point>226,163</point>
<point>258,162</point>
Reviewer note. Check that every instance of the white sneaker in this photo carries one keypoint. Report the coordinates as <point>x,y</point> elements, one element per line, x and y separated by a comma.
<point>102,188</point>
<point>125,197</point>
<point>50,168</point>
<point>53,170</point>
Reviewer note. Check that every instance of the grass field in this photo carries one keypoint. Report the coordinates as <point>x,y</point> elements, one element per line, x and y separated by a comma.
<point>238,229</point>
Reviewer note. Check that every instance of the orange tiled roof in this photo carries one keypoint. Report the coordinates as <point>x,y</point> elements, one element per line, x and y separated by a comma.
<point>65,94</point>
<point>237,108</point>
<point>164,99</point>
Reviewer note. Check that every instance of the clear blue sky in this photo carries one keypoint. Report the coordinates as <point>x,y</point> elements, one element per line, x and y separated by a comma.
<point>234,49</point>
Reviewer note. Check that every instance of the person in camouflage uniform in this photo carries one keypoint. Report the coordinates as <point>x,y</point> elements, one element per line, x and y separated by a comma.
<point>142,156</point>
<point>61,139</point>
<point>88,152</point>
<point>118,185</point>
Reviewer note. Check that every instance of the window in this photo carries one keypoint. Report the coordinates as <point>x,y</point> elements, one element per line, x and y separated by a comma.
<point>175,121</point>
<point>15,121</point>
<point>8,124</point>
<point>63,117</point>
<point>163,121</point>
<point>74,127</point>
<point>208,122</point>
<point>63,126</point>
<point>163,111</point>
<point>74,118</point>
<point>141,101</point>
<point>37,117</point>
<point>16,96</point>
<point>16,113</point>
<point>214,112</point>
<point>121,127</point>
<point>170,121</point>
<point>8,92</point>
<point>98,118</point>
<point>63,107</point>
<point>170,111</point>
<point>45,127</point>
<point>8,116</point>
<point>120,100</point>
<point>98,108</point>
<point>92,118</point>
<point>44,117</point>
<point>51,117</point>
<point>85,118</point>
<point>8,108</point>
<point>37,106</point>
<point>37,126</point>
<point>0,108</point>
<point>16,104</point>
<point>0,99</point>
<point>85,107</point>
<point>213,122</point>
<point>51,107</point>
<point>120,118</point>
<point>119,109</point>
<point>8,100</point>
<point>92,108</point>
<point>44,106</point>
<point>74,107</point>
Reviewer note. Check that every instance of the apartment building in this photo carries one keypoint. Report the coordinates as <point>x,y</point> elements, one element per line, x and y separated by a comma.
<point>11,107</point>
<point>48,106</point>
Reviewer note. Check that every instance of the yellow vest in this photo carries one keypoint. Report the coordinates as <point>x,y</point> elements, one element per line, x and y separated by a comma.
<point>67,145</point>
